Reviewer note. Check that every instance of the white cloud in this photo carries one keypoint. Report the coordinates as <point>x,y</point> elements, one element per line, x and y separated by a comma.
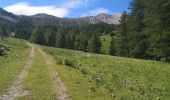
<point>96,12</point>
<point>74,3</point>
<point>24,8</point>
<point>62,10</point>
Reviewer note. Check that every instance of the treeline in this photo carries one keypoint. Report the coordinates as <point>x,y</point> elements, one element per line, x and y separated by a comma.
<point>145,31</point>
<point>84,38</point>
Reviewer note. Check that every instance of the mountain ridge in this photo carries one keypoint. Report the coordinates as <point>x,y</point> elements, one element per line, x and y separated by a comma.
<point>45,19</point>
<point>8,15</point>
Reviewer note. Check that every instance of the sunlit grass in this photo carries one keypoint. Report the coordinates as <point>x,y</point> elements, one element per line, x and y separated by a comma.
<point>12,63</point>
<point>101,77</point>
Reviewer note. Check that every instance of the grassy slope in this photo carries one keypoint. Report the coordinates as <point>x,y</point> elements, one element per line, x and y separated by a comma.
<point>100,77</point>
<point>106,40</point>
<point>12,64</point>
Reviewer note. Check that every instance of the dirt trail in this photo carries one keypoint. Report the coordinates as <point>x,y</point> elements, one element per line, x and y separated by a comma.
<point>58,85</point>
<point>16,89</point>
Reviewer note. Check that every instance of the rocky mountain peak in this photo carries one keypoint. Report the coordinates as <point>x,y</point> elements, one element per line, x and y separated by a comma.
<point>103,17</point>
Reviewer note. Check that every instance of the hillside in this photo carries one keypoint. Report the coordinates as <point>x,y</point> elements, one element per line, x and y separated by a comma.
<point>8,16</point>
<point>78,75</point>
<point>100,77</point>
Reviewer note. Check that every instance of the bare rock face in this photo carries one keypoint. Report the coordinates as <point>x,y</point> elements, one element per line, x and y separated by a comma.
<point>110,19</point>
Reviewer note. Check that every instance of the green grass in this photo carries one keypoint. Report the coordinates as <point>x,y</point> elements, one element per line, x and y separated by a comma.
<point>101,77</point>
<point>86,76</point>
<point>38,81</point>
<point>12,63</point>
<point>106,40</point>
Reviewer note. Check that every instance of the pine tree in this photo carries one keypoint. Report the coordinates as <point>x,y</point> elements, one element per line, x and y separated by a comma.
<point>94,44</point>
<point>77,43</point>
<point>138,43</point>
<point>123,44</point>
<point>83,43</point>
<point>2,31</point>
<point>60,42</point>
<point>38,36</point>
<point>113,47</point>
<point>157,25</point>
<point>52,39</point>
<point>70,40</point>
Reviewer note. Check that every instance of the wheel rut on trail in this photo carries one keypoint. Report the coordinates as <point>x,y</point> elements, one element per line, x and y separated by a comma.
<point>58,85</point>
<point>16,89</point>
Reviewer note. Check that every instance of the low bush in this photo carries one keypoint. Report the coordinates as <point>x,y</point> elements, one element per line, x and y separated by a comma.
<point>71,63</point>
<point>2,50</point>
<point>84,71</point>
<point>60,62</point>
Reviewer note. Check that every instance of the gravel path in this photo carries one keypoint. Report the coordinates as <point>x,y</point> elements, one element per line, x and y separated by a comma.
<point>16,89</point>
<point>58,85</point>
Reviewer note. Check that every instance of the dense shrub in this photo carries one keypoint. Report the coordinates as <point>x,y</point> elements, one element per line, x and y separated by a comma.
<point>71,63</point>
<point>59,61</point>
<point>84,71</point>
<point>2,50</point>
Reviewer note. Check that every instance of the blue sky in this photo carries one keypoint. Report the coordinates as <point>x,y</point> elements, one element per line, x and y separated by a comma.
<point>65,8</point>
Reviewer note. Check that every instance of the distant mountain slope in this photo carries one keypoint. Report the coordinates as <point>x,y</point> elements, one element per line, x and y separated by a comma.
<point>52,20</point>
<point>45,19</point>
<point>8,16</point>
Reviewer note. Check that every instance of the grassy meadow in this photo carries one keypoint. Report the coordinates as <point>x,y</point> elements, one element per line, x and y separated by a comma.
<point>86,76</point>
<point>12,63</point>
<point>101,77</point>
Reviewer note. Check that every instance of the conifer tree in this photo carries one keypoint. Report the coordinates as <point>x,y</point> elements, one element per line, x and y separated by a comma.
<point>83,42</point>
<point>60,42</point>
<point>2,31</point>
<point>52,39</point>
<point>113,47</point>
<point>38,36</point>
<point>138,43</point>
<point>94,44</point>
<point>123,43</point>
